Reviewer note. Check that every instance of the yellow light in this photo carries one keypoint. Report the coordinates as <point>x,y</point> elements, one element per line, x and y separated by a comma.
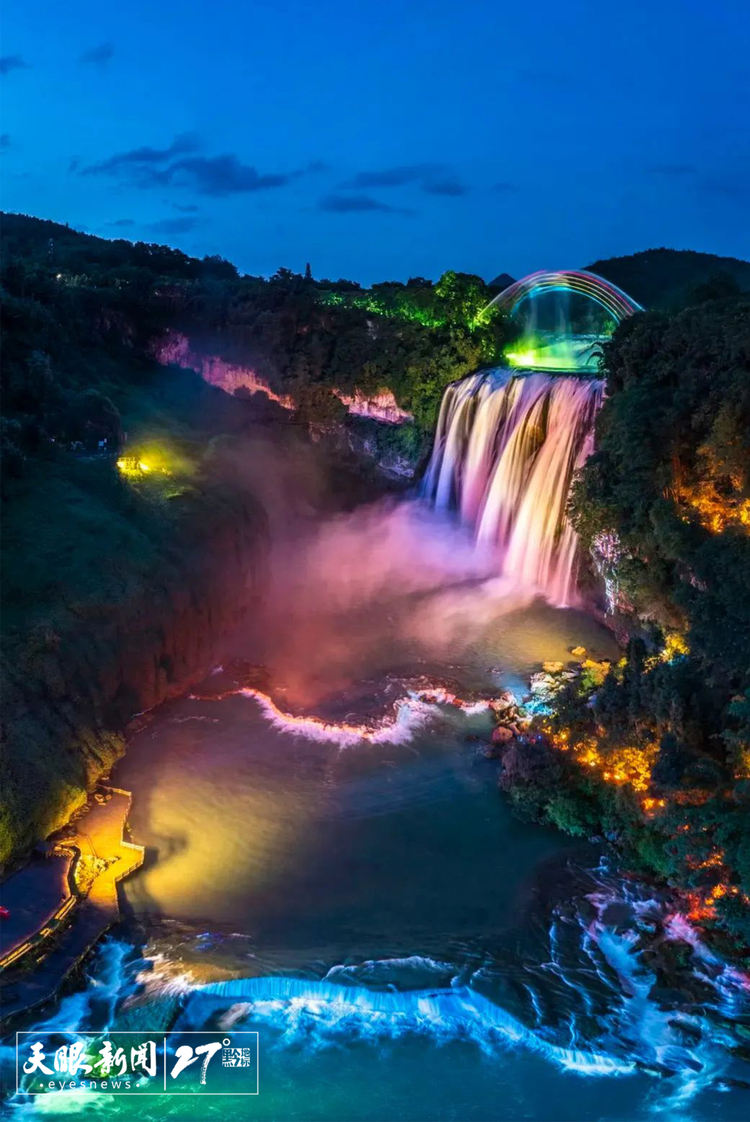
<point>522,358</point>
<point>143,467</point>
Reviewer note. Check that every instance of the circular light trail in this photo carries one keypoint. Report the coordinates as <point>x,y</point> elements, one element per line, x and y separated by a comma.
<point>616,302</point>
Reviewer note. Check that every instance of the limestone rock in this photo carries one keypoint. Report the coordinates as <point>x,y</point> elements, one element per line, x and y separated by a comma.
<point>502,703</point>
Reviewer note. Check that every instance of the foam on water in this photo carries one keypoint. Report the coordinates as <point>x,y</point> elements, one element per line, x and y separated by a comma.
<point>392,972</point>
<point>411,715</point>
<point>324,1013</point>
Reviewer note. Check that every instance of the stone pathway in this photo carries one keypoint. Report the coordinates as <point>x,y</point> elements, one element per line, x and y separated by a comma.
<point>32,896</point>
<point>99,839</point>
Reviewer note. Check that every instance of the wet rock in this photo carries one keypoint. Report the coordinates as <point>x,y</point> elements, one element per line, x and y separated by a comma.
<point>543,683</point>
<point>654,1069</point>
<point>689,1035</point>
<point>529,762</point>
<point>586,910</point>
<point>502,735</point>
<point>666,997</point>
<point>618,914</point>
<point>503,703</point>
<point>741,1051</point>
<point>675,987</point>
<point>685,1061</point>
<point>726,1084</point>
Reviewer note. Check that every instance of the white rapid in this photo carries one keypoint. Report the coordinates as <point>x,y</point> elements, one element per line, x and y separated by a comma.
<point>506,449</point>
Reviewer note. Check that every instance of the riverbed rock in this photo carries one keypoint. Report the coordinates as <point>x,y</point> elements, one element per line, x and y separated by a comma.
<point>690,1035</point>
<point>676,982</point>
<point>504,702</point>
<point>542,682</point>
<point>493,751</point>
<point>618,914</point>
<point>529,761</point>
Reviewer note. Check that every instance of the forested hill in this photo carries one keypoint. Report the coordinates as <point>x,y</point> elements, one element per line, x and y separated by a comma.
<point>65,291</point>
<point>675,278</point>
<point>41,243</point>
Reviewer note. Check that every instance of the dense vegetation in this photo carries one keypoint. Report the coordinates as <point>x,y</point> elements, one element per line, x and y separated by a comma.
<point>108,600</point>
<point>670,279</point>
<point>109,597</point>
<point>657,754</point>
<point>304,337</point>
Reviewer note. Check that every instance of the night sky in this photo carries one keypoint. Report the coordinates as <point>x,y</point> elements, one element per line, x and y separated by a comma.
<point>383,140</point>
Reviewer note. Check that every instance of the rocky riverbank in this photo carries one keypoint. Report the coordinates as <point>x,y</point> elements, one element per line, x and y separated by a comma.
<point>558,767</point>
<point>146,623</point>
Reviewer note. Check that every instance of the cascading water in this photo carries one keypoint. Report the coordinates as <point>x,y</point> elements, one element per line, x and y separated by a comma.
<point>506,450</point>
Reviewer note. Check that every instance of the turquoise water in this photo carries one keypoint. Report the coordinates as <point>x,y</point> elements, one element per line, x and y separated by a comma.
<point>404,945</point>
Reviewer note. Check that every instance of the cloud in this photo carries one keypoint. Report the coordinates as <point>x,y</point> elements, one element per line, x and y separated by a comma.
<point>122,222</point>
<point>451,185</point>
<point>676,171</point>
<point>139,158</point>
<point>435,179</point>
<point>503,188</point>
<point>318,165</point>
<point>173,225</point>
<point>4,140</point>
<point>184,208</point>
<point>97,56</point>
<point>393,177</point>
<point>356,204</point>
<point>208,175</point>
<point>12,62</point>
<point>736,189</point>
<point>220,175</point>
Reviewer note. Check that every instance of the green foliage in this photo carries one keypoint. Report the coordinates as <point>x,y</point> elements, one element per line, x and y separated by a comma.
<point>570,813</point>
<point>672,471</point>
<point>93,565</point>
<point>672,278</point>
<point>671,479</point>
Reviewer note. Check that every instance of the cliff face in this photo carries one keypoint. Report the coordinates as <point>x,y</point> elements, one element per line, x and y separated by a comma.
<point>176,349</point>
<point>72,682</point>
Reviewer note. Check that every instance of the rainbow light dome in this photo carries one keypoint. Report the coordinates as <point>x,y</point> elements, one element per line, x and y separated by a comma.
<point>607,295</point>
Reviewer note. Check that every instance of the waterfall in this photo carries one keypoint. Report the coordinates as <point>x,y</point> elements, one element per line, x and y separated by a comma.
<point>506,449</point>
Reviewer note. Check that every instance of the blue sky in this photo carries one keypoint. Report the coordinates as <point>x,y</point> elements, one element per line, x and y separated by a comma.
<point>383,140</point>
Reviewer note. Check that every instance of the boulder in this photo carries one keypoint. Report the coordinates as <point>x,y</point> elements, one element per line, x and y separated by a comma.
<point>689,1035</point>
<point>502,703</point>
<point>541,682</point>
<point>493,751</point>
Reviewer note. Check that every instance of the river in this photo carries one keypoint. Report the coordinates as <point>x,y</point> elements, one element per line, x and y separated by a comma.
<point>330,862</point>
